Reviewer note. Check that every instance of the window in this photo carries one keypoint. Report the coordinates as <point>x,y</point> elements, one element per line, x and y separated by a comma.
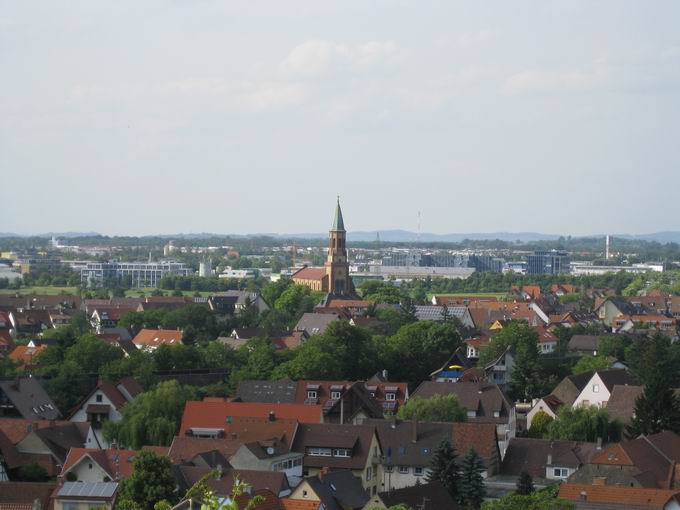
<point>342,452</point>
<point>418,471</point>
<point>390,396</point>
<point>335,395</point>
<point>585,403</point>
<point>98,397</point>
<point>319,452</point>
<point>472,414</point>
<point>89,466</point>
<point>403,470</point>
<point>369,473</point>
<point>388,469</point>
<point>596,388</point>
<point>560,472</point>
<point>311,394</point>
<point>496,414</point>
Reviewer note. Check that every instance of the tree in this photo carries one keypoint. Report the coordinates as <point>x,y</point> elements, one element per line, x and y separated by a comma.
<point>443,468</point>
<point>584,424</point>
<point>540,500</point>
<point>33,472</point>
<point>425,344</point>
<point>471,486</point>
<point>153,418</point>
<point>591,363</point>
<point>525,484</point>
<point>151,481</point>
<point>526,375</point>
<point>540,424</point>
<point>209,501</point>
<point>436,408</point>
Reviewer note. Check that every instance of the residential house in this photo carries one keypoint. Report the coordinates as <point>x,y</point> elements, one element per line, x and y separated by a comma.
<point>547,341</point>
<point>352,307</point>
<point>475,345</point>
<point>454,368</point>
<point>594,497</point>
<point>546,460</point>
<point>598,389</point>
<point>24,397</point>
<point>335,446</point>
<point>657,322</point>
<point>105,402</point>
<point>408,447</point>
<point>26,495</point>
<point>151,339</point>
<point>569,388</point>
<point>526,292</point>
<point>105,317</point>
<point>562,289</point>
<point>335,490</point>
<point>222,483</point>
<point>52,443</point>
<point>612,308</point>
<point>498,371</point>
<point>212,416</point>
<point>316,323</point>
<point>244,300</point>
<point>440,313</point>
<point>646,462</point>
<point>587,345</point>
<point>200,451</point>
<point>27,356</point>
<point>85,496</point>
<point>484,403</point>
<point>30,322</point>
<point>95,465</point>
<point>431,495</point>
<point>549,405</point>
<point>274,392</point>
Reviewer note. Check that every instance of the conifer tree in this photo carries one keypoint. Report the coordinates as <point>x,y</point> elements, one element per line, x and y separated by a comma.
<point>471,485</point>
<point>444,469</point>
<point>525,484</point>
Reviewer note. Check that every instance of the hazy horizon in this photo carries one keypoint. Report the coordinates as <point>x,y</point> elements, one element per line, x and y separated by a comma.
<point>129,118</point>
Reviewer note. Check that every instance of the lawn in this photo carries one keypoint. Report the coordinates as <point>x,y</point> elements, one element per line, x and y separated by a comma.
<point>51,291</point>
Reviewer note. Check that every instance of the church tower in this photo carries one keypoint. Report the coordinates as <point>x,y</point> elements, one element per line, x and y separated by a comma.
<point>337,265</point>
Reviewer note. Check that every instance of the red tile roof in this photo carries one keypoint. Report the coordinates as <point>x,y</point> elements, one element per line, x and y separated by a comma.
<point>211,414</point>
<point>183,448</point>
<point>614,495</point>
<point>114,462</point>
<point>24,354</point>
<point>157,337</point>
<point>299,504</point>
<point>310,273</point>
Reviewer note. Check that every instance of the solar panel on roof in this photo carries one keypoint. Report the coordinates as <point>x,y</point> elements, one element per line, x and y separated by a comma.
<point>88,489</point>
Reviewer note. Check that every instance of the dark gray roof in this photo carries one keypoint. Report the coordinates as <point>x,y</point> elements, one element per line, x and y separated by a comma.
<point>610,378</point>
<point>531,455</point>
<point>315,323</point>
<point>124,333</point>
<point>30,399</point>
<point>584,343</point>
<point>338,222</point>
<point>269,392</point>
<point>61,438</point>
<point>396,439</point>
<point>339,489</point>
<point>435,312</point>
<point>434,493</point>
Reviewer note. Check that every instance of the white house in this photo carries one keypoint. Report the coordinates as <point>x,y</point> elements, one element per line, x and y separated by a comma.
<point>598,389</point>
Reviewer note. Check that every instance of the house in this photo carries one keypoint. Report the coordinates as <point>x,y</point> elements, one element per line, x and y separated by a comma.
<point>592,497</point>
<point>105,317</point>
<point>86,495</point>
<point>313,277</point>
<point>197,450</point>
<point>105,402</point>
<point>658,322</point>
<point>222,483</point>
<point>26,495</point>
<point>290,340</point>
<point>644,462</point>
<point>26,356</point>
<point>499,370</point>
<point>335,446</point>
<point>151,339</point>
<point>408,447</point>
<point>335,490</point>
<point>24,397</point>
<point>613,308</point>
<point>440,313</point>
<point>475,345</point>
<point>569,388</point>
<point>588,345</point>
<point>484,403</point>
<point>562,289</point>
<point>351,307</point>
<point>621,405</point>
<point>549,405</point>
<point>96,465</point>
<point>547,341</point>
<point>243,300</point>
<point>214,416</point>
<point>30,322</point>
<point>598,389</point>
<point>316,323</point>
<point>453,369</point>
<point>526,292</point>
<point>546,460</point>
<point>51,443</point>
<point>270,455</point>
<point>282,392</point>
<point>433,495</point>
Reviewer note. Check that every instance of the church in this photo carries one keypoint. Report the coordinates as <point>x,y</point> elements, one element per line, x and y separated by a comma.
<point>334,277</point>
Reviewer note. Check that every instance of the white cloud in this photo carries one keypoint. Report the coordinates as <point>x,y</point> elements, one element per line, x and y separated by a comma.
<point>217,94</point>
<point>316,56</point>
<point>540,80</point>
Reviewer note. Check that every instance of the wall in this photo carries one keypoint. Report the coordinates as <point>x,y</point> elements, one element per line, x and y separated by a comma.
<point>595,398</point>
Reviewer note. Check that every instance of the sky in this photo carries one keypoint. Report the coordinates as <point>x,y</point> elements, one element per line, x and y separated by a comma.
<point>134,117</point>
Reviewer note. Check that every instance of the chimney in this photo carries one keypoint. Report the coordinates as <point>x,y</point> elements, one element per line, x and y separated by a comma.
<point>272,416</point>
<point>385,374</point>
<point>599,443</point>
<point>414,430</point>
<point>549,462</point>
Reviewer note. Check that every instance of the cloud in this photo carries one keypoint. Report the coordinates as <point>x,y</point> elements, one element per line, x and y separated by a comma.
<point>316,56</point>
<point>198,93</point>
<point>549,81</point>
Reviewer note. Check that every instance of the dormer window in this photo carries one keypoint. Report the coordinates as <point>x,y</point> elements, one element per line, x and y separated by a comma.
<point>472,414</point>
<point>390,396</point>
<point>335,395</point>
<point>311,394</point>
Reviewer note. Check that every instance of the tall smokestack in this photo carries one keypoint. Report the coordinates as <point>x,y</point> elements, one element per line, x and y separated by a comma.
<point>606,249</point>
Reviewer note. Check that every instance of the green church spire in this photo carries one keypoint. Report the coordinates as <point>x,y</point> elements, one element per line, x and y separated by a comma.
<point>338,224</point>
